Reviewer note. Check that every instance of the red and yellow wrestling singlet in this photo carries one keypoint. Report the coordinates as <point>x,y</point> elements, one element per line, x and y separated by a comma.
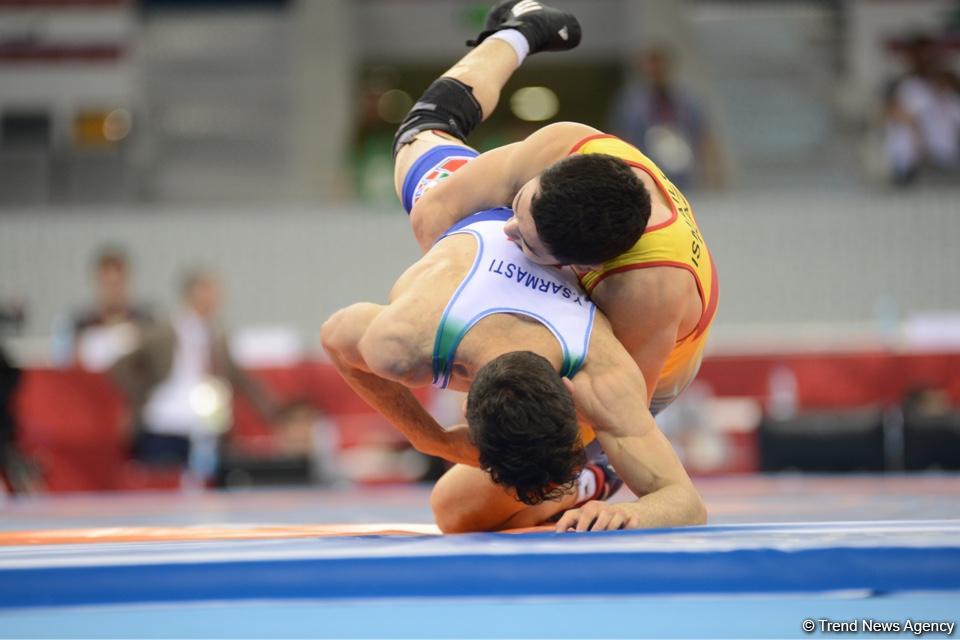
<point>674,243</point>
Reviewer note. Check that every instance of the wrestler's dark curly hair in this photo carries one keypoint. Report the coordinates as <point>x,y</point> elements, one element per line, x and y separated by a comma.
<point>590,208</point>
<point>522,420</point>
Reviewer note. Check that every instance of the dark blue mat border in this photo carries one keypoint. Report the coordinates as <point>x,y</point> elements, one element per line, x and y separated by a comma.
<point>879,569</point>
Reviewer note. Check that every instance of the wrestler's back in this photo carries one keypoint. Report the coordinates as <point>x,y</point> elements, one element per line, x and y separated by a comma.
<point>429,284</point>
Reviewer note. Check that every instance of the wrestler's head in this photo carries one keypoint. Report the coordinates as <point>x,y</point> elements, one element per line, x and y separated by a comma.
<point>583,210</point>
<point>523,423</point>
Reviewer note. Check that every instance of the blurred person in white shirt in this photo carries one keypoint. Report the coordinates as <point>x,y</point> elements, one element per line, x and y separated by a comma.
<point>922,128</point>
<point>111,325</point>
<point>179,384</point>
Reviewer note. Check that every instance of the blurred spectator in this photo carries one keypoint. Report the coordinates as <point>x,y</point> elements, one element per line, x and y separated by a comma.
<point>9,377</point>
<point>926,401</point>
<point>931,429</point>
<point>661,118</point>
<point>179,382</point>
<point>922,116</point>
<point>17,472</point>
<point>112,325</point>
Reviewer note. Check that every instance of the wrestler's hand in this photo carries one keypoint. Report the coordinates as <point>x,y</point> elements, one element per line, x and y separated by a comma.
<point>459,448</point>
<point>600,516</point>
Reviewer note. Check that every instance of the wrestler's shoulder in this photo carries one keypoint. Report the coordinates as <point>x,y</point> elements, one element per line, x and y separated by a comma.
<point>564,135</point>
<point>653,288</point>
<point>571,126</point>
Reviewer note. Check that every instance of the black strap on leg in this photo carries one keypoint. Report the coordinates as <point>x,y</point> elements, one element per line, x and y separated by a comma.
<point>447,105</point>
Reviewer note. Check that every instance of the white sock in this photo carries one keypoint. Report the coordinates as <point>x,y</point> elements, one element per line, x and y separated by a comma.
<point>516,40</point>
<point>586,485</point>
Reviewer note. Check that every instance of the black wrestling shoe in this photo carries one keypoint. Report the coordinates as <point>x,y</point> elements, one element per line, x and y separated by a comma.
<point>545,28</point>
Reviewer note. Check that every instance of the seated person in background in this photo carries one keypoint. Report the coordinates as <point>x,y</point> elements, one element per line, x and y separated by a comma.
<point>475,314</point>
<point>179,382</point>
<point>111,326</point>
<point>922,116</point>
<point>12,466</point>
<point>18,473</point>
<point>656,114</point>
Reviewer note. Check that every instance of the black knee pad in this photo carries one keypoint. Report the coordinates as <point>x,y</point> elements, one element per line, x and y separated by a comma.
<point>447,105</point>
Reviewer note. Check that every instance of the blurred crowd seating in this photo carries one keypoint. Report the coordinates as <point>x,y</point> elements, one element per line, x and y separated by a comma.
<point>70,421</point>
<point>71,424</point>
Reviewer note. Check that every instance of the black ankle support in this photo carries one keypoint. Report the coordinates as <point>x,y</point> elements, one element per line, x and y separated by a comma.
<point>447,105</point>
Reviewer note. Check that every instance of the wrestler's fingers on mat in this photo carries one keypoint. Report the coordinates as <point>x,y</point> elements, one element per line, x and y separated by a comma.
<point>568,521</point>
<point>602,523</point>
<point>616,521</point>
<point>588,514</point>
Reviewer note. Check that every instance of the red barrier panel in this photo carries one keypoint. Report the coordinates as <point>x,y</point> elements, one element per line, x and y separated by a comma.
<point>71,421</point>
<point>835,380</point>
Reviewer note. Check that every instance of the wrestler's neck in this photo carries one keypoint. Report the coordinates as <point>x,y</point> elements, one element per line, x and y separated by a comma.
<point>496,335</point>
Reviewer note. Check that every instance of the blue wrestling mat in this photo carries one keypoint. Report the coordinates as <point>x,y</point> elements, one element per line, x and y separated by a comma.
<point>731,580</point>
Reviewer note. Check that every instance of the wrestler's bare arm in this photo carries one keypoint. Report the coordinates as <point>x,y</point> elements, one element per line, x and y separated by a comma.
<point>492,179</point>
<point>379,367</point>
<point>647,309</point>
<point>610,393</point>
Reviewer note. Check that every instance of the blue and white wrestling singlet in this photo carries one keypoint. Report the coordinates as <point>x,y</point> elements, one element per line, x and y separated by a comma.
<point>503,280</point>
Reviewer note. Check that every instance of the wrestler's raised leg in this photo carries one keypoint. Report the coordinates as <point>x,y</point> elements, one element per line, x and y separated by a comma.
<point>469,91</point>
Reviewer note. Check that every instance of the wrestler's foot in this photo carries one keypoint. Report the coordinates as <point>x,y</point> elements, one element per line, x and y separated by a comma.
<point>545,28</point>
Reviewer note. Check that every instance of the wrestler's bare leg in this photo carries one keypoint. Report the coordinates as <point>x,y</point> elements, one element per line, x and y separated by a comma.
<point>486,69</point>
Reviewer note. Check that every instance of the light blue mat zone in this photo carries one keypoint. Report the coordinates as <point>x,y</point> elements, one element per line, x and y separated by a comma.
<point>733,580</point>
<point>705,581</point>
